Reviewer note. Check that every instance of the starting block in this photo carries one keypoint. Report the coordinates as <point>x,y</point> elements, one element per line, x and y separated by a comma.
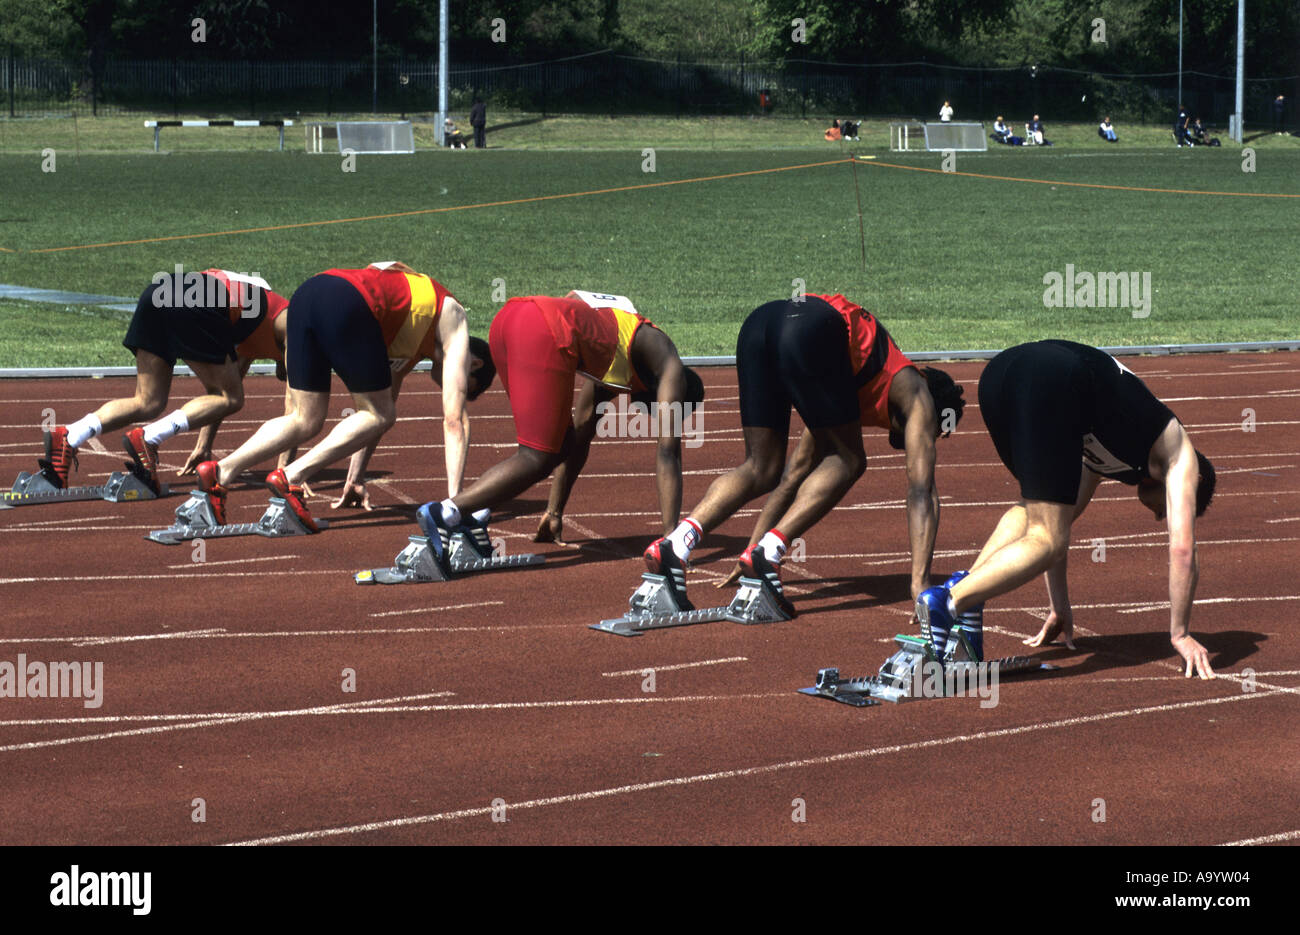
<point>195,520</point>
<point>653,607</point>
<point>900,678</point>
<point>121,487</point>
<point>417,564</point>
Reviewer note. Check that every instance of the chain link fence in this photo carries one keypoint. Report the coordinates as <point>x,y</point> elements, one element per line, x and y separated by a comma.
<point>608,82</point>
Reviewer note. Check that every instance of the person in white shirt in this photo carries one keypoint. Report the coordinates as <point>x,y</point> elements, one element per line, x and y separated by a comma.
<point>945,112</point>
<point>1000,129</point>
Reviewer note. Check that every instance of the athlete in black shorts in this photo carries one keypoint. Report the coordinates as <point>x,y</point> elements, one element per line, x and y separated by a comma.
<point>837,366</point>
<point>1064,417</point>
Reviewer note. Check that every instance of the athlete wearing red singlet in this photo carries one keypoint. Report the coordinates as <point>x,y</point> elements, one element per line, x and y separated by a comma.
<point>836,365</point>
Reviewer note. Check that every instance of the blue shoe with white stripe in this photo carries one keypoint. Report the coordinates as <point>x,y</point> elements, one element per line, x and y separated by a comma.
<point>932,614</point>
<point>972,618</point>
<point>435,530</point>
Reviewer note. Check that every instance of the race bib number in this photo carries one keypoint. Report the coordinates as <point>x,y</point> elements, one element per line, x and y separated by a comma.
<point>604,300</point>
<point>1097,457</point>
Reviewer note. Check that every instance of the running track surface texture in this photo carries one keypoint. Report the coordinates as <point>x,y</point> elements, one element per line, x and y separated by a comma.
<point>489,696</point>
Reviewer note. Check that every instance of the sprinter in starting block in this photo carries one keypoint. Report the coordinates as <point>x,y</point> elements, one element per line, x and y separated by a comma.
<point>371,326</point>
<point>539,344</point>
<point>218,322</point>
<point>835,364</point>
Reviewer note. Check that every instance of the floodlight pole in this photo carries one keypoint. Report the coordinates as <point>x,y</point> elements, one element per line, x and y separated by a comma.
<point>374,69</point>
<point>1241,70</point>
<point>1180,54</point>
<point>440,123</point>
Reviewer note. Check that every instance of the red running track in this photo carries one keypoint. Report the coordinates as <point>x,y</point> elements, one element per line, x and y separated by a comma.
<point>223,678</point>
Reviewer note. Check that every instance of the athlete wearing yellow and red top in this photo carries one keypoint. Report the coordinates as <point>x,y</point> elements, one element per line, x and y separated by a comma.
<point>371,326</point>
<point>539,345</point>
<point>834,363</point>
<point>217,322</point>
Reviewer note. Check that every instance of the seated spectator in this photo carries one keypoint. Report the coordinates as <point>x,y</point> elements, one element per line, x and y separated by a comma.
<point>834,133</point>
<point>1202,136</point>
<point>1000,130</point>
<point>1106,131</point>
<point>1034,129</point>
<point>451,136</point>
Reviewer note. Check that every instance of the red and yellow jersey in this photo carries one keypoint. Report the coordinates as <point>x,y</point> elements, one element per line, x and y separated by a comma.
<point>874,356</point>
<point>253,318</point>
<point>596,329</point>
<point>406,305</point>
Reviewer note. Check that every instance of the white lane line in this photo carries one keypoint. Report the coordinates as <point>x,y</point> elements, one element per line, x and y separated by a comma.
<point>206,721</point>
<point>236,561</point>
<point>1266,839</point>
<point>434,610</point>
<point>391,489</point>
<point>574,798</point>
<point>1085,545</point>
<point>222,634</point>
<point>342,708</point>
<point>379,707</point>
<point>680,665</point>
<point>1149,606</point>
<point>132,576</point>
<point>1284,519</point>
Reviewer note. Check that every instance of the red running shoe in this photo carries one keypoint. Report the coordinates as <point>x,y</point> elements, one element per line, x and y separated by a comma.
<point>660,559</point>
<point>292,495</point>
<point>754,563</point>
<point>207,473</point>
<point>60,457</point>
<point>144,455</point>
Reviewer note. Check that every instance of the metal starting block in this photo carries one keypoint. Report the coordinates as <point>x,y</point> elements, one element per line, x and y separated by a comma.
<point>416,563</point>
<point>653,607</point>
<point>904,674</point>
<point>121,487</point>
<point>195,520</point>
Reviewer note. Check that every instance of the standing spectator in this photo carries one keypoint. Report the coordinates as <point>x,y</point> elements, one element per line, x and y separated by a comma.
<point>1182,129</point>
<point>478,120</point>
<point>1279,107</point>
<point>1106,131</point>
<point>945,112</point>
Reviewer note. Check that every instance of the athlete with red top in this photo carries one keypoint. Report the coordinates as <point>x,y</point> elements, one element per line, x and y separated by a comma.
<point>218,322</point>
<point>539,344</point>
<point>370,326</point>
<point>834,363</point>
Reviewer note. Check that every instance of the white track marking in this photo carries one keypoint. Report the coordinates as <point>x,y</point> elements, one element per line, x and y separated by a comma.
<point>1266,839</point>
<point>219,633</point>
<point>1284,519</point>
<point>392,490</point>
<point>237,561</point>
<point>203,720</point>
<point>131,576</point>
<point>744,772</point>
<point>105,640</point>
<point>343,707</point>
<point>1149,606</point>
<point>433,610</point>
<point>680,665</point>
<point>375,707</point>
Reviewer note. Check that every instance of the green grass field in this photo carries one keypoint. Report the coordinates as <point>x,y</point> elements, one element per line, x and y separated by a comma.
<point>952,261</point>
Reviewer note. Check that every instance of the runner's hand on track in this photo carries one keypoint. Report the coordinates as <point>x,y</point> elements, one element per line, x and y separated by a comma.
<point>353,495</point>
<point>1195,655</point>
<point>197,457</point>
<point>1055,625</point>
<point>551,529</point>
<point>730,579</point>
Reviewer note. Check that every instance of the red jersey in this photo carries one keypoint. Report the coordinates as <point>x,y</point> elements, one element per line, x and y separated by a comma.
<point>253,318</point>
<point>874,356</point>
<point>596,329</point>
<point>406,305</point>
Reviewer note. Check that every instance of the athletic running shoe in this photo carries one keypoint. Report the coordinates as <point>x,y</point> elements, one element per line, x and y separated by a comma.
<point>207,474</point>
<point>279,485</point>
<point>932,613</point>
<point>754,563</point>
<point>436,531</point>
<point>660,559</point>
<point>476,535</point>
<point>60,457</point>
<point>972,618</point>
<point>144,455</point>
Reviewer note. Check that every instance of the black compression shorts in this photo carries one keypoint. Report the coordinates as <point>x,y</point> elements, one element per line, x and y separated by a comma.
<point>1034,401</point>
<point>164,325</point>
<point>795,353</point>
<point>332,327</point>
